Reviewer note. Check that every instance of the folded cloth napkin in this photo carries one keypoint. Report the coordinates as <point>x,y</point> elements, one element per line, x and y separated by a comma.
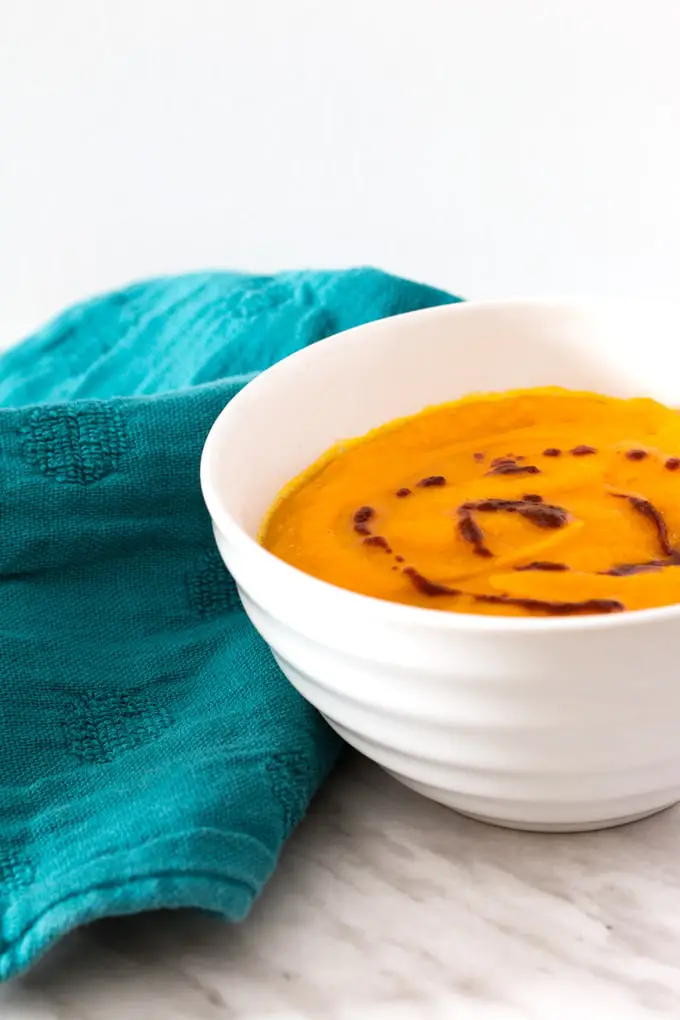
<point>151,754</point>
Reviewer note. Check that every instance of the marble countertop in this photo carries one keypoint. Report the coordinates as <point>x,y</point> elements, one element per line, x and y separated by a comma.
<point>389,907</point>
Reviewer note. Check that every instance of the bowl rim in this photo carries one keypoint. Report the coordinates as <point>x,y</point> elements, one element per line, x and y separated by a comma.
<point>383,610</point>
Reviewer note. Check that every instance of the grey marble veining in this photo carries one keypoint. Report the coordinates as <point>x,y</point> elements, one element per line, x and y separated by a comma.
<point>388,906</point>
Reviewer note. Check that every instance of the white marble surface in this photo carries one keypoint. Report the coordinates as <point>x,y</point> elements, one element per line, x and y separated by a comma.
<point>389,907</point>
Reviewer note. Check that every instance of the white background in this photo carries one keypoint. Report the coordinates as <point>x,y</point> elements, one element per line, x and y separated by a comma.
<point>488,146</point>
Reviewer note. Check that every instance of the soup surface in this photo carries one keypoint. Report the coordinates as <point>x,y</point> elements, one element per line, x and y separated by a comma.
<point>532,503</point>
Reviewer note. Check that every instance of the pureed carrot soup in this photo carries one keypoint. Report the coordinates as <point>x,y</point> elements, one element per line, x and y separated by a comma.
<point>529,503</point>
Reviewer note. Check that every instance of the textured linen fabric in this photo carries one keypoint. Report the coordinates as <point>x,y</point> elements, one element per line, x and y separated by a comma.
<point>151,753</point>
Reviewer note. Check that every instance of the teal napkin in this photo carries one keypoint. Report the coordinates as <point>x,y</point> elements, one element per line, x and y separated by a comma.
<point>151,754</point>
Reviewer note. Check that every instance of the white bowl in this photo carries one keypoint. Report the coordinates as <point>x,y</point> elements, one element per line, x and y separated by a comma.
<point>549,724</point>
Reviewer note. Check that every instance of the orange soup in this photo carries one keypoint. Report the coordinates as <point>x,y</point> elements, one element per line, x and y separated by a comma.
<point>531,503</point>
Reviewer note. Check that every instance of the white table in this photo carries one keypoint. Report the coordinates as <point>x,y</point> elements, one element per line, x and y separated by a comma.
<point>389,907</point>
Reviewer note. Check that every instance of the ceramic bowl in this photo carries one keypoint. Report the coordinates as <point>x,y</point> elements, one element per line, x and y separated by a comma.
<point>548,724</point>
